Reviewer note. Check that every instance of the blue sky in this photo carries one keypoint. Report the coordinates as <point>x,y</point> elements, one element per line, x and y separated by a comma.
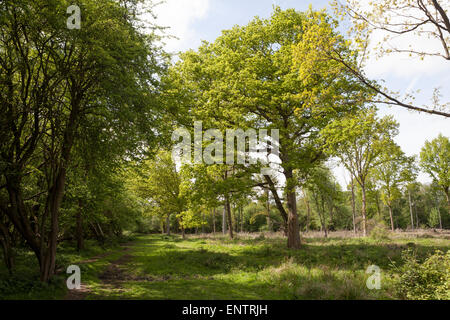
<point>195,20</point>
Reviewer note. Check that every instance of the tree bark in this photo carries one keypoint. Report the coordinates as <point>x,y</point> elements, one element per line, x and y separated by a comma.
<point>8,254</point>
<point>228,211</point>
<point>391,217</point>
<point>56,195</point>
<point>224,220</point>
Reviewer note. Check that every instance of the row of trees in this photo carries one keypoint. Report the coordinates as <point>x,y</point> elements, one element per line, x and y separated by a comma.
<point>383,187</point>
<point>270,75</point>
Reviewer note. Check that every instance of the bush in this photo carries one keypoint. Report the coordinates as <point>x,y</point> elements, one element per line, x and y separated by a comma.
<point>429,280</point>
<point>378,229</point>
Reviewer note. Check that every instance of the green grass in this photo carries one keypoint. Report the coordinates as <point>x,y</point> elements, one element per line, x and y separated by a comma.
<point>161,267</point>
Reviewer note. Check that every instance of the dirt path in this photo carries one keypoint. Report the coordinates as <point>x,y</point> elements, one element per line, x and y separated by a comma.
<point>110,278</point>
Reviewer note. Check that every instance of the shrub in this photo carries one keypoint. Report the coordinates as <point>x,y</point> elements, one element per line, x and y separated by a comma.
<point>429,280</point>
<point>378,230</point>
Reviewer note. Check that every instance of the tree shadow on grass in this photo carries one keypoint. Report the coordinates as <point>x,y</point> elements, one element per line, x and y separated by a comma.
<point>284,285</point>
<point>167,259</point>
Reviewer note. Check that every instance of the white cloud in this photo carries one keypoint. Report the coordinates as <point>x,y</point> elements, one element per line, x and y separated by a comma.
<point>178,16</point>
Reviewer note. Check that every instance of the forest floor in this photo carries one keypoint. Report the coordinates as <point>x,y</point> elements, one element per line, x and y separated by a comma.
<point>246,268</point>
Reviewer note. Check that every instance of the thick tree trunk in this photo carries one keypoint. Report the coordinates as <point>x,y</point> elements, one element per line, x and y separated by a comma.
<point>17,214</point>
<point>56,196</point>
<point>8,254</point>
<point>411,209</point>
<point>293,225</point>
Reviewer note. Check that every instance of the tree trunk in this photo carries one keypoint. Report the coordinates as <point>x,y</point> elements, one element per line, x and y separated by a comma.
<point>279,204</point>
<point>364,210</point>
<point>8,254</point>
<point>17,214</point>
<point>411,209</point>
<point>242,219</point>
<point>56,195</point>
<point>224,220</point>
<point>269,221</point>
<point>308,210</point>
<point>293,225</point>
<point>392,217</point>
<point>230,222</point>
<point>321,213</point>
<point>168,224</point>
<point>354,206</point>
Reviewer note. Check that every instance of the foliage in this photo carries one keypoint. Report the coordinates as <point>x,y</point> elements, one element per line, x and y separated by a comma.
<point>435,160</point>
<point>362,142</point>
<point>378,230</point>
<point>427,280</point>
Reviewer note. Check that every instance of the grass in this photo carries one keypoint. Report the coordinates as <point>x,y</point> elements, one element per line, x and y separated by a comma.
<point>249,267</point>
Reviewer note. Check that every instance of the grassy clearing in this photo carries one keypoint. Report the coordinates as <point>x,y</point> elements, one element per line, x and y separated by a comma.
<point>250,267</point>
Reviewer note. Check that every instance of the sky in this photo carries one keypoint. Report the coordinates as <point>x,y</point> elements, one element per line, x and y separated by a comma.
<point>192,21</point>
